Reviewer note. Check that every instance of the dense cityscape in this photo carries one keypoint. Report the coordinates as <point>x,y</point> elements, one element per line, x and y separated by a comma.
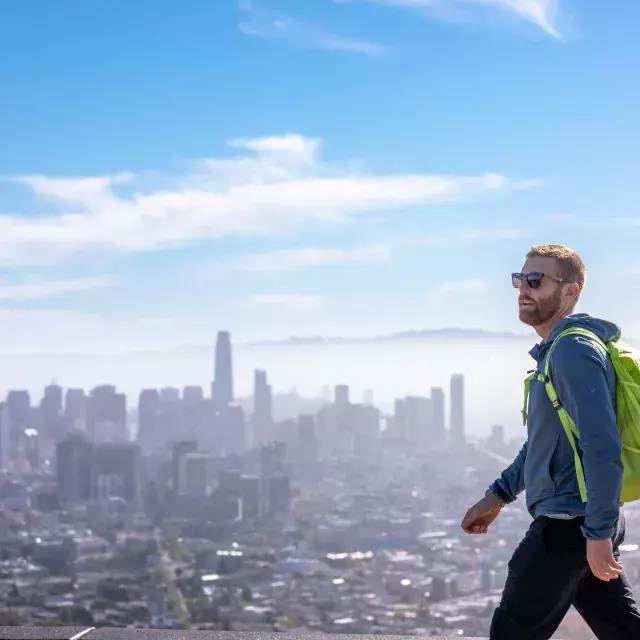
<point>192,512</point>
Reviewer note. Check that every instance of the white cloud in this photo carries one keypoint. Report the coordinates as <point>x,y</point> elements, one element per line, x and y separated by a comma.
<point>292,144</point>
<point>542,13</point>
<point>288,300</point>
<point>314,257</point>
<point>36,290</point>
<point>278,183</point>
<point>470,236</point>
<point>465,288</point>
<point>265,24</point>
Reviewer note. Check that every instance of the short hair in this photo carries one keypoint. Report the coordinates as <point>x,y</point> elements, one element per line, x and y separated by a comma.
<point>569,262</point>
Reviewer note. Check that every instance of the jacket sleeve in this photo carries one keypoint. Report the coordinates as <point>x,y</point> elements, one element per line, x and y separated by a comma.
<point>581,374</point>
<point>511,480</point>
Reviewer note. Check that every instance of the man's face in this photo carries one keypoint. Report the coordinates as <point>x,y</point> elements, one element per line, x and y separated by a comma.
<point>537,306</point>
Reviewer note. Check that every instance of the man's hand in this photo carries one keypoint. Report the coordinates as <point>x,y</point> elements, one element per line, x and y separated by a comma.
<point>481,515</point>
<point>600,558</point>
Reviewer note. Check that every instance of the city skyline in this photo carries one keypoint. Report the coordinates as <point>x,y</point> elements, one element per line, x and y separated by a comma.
<point>430,361</point>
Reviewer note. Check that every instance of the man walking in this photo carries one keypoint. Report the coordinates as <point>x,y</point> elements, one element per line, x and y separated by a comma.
<point>569,555</point>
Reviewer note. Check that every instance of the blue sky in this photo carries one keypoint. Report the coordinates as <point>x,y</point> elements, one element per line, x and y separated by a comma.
<point>279,167</point>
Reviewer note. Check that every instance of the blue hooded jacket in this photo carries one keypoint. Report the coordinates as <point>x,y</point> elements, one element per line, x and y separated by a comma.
<point>583,377</point>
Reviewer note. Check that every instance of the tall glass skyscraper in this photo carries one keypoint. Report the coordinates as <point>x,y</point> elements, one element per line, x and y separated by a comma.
<point>222,391</point>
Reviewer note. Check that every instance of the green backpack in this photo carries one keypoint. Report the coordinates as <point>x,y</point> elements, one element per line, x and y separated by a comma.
<point>626,364</point>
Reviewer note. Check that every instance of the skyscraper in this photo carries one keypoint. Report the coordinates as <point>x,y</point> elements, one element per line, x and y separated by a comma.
<point>194,409</point>
<point>74,464</point>
<point>307,443</point>
<point>51,412</point>
<point>222,391</point>
<point>149,419</point>
<point>262,412</point>
<point>169,395</point>
<point>341,396</point>
<point>194,477</point>
<point>231,430</point>
<point>116,471</point>
<point>19,409</point>
<point>457,409</point>
<point>107,415</point>
<point>192,396</point>
<point>75,409</point>
<point>180,449</point>
<point>52,400</point>
<point>4,436</point>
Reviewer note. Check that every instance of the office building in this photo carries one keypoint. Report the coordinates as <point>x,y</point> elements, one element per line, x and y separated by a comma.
<point>192,396</point>
<point>341,395</point>
<point>194,474</point>
<point>262,420</point>
<point>75,409</point>
<point>116,471</point>
<point>179,450</point>
<point>457,432</point>
<point>4,437</point>
<point>19,411</point>
<point>149,411</point>
<point>222,392</point>
<point>307,444</point>
<point>231,430</point>
<point>74,469</point>
<point>250,497</point>
<point>364,428</point>
<point>169,395</point>
<point>107,415</point>
<point>279,496</point>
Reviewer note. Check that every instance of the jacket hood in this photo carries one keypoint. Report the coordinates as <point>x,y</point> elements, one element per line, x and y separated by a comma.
<point>605,330</point>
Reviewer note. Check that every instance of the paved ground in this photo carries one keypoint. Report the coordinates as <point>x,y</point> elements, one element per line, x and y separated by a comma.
<point>80,633</point>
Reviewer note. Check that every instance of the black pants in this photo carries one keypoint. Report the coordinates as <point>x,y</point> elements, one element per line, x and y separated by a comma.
<point>548,573</point>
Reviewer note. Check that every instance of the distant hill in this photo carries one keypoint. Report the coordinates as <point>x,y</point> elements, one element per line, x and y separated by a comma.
<point>447,333</point>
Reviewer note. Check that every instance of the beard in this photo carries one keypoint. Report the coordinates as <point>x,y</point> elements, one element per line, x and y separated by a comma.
<point>540,311</point>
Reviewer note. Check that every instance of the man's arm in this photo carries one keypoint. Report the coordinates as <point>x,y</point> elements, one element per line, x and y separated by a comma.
<point>481,515</point>
<point>511,480</point>
<point>578,369</point>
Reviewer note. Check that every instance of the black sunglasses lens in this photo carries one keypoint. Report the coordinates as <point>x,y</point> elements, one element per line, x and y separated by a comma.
<point>534,280</point>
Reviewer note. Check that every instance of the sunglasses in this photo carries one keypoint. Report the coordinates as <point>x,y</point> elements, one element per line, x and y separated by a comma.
<point>534,280</point>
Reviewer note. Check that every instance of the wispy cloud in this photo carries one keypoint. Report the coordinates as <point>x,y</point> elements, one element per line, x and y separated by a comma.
<point>266,24</point>
<point>273,185</point>
<point>560,218</point>
<point>542,13</point>
<point>288,300</point>
<point>471,287</point>
<point>313,257</point>
<point>469,236</point>
<point>40,289</point>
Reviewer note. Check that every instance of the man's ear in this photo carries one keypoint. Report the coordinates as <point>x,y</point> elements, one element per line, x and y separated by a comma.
<point>573,291</point>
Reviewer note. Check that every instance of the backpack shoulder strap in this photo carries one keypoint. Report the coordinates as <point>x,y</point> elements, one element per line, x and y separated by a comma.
<point>568,424</point>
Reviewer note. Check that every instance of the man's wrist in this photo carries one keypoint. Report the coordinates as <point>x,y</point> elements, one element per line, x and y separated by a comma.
<point>495,493</point>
